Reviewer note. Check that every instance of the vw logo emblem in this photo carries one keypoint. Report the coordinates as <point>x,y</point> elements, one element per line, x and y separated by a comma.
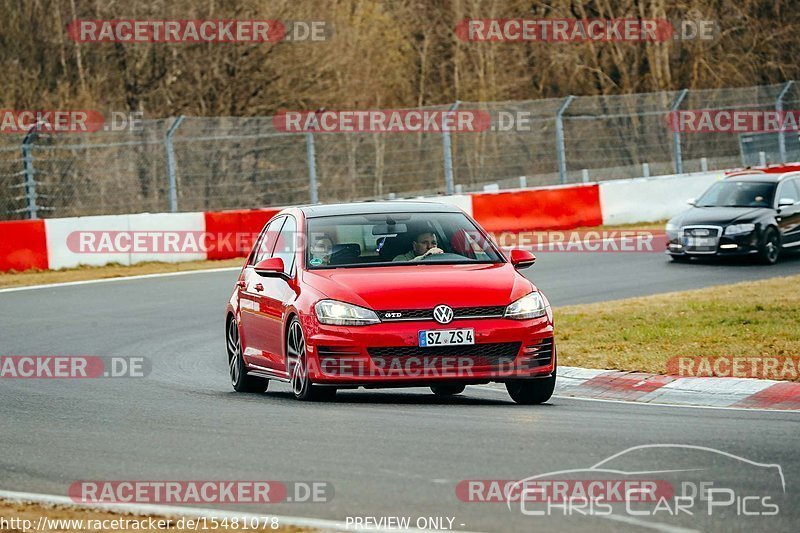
<point>443,314</point>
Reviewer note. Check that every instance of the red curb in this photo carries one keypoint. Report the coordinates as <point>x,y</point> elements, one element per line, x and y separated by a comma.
<point>778,396</point>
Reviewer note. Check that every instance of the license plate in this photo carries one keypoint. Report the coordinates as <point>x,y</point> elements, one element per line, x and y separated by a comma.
<point>696,242</point>
<point>446,337</point>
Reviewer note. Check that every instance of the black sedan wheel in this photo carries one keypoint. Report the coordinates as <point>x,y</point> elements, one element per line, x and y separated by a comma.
<point>770,247</point>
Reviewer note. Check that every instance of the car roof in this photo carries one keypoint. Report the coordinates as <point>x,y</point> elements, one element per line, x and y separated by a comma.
<point>755,176</point>
<point>371,208</point>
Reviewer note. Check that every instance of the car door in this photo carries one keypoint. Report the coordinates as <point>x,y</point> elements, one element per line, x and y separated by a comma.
<point>789,216</point>
<point>278,293</point>
<point>251,297</point>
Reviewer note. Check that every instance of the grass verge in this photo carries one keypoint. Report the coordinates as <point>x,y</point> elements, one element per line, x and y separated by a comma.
<point>758,318</point>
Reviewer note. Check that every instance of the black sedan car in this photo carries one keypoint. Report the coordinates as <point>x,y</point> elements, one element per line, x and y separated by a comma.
<point>755,214</point>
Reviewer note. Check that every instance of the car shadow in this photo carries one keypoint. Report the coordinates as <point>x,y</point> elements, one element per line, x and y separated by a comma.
<point>395,397</point>
<point>787,257</point>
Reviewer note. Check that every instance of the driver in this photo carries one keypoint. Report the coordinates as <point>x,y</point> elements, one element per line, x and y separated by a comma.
<point>424,244</point>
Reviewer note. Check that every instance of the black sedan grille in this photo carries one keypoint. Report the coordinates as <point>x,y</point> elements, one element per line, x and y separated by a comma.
<point>427,314</point>
<point>701,240</point>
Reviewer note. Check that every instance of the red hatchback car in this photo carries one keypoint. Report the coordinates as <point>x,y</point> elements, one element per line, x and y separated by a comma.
<point>400,294</point>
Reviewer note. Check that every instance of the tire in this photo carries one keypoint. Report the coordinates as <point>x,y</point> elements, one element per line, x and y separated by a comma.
<point>448,389</point>
<point>770,248</point>
<point>238,371</point>
<point>297,367</point>
<point>531,391</point>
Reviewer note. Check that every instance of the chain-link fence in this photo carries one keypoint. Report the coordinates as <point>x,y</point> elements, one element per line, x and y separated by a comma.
<point>204,163</point>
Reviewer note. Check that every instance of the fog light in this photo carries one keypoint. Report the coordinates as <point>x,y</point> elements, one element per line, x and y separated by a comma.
<point>728,246</point>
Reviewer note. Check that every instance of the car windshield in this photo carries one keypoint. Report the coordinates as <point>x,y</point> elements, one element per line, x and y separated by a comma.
<point>396,239</point>
<point>738,194</point>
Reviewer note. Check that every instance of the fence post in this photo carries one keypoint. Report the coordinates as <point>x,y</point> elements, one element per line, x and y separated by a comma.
<point>28,170</point>
<point>311,157</point>
<point>560,148</point>
<point>676,134</point>
<point>173,189</point>
<point>779,109</point>
<point>447,153</point>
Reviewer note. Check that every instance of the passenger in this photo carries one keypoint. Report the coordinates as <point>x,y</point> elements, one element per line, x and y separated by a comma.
<point>424,244</point>
<point>321,251</point>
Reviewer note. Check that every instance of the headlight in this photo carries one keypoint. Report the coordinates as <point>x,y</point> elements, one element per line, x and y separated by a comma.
<point>738,229</point>
<point>672,229</point>
<point>530,306</point>
<point>336,313</point>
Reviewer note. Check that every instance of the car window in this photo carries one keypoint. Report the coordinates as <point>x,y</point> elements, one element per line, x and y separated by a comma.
<point>285,246</point>
<point>267,240</point>
<point>729,193</point>
<point>389,239</point>
<point>789,189</point>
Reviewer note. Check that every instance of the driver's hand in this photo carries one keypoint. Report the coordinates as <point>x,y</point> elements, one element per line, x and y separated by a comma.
<point>433,251</point>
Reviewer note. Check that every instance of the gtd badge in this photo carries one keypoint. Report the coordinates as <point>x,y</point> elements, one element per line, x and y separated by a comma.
<point>443,314</point>
<point>392,315</point>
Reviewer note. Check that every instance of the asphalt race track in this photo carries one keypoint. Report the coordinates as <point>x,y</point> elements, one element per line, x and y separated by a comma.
<point>386,452</point>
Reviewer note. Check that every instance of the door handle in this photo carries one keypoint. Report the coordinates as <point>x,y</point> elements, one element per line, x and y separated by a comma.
<point>241,284</point>
<point>259,287</point>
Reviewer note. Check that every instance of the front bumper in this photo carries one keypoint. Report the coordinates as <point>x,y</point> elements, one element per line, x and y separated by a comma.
<point>388,354</point>
<point>726,245</point>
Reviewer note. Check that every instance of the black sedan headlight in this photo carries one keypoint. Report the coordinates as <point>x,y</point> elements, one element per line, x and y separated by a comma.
<point>739,229</point>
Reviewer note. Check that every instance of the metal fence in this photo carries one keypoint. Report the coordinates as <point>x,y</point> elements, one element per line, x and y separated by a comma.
<point>210,163</point>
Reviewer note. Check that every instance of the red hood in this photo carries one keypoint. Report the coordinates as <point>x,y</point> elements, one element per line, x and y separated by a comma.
<point>421,287</point>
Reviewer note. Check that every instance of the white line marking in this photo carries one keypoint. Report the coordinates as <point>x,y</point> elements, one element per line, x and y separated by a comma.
<point>167,510</point>
<point>120,278</point>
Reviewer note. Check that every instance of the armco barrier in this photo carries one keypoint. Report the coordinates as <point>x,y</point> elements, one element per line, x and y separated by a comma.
<point>44,244</point>
<point>532,209</point>
<point>63,236</point>
<point>235,222</point>
<point>23,245</point>
<point>649,199</point>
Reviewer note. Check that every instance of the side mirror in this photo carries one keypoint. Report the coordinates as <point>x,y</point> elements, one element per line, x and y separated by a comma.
<point>785,202</point>
<point>522,258</point>
<point>692,202</point>
<point>269,267</point>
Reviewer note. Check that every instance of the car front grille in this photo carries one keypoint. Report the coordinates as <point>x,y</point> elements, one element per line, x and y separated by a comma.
<point>539,354</point>
<point>489,354</point>
<point>693,234</point>
<point>402,315</point>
